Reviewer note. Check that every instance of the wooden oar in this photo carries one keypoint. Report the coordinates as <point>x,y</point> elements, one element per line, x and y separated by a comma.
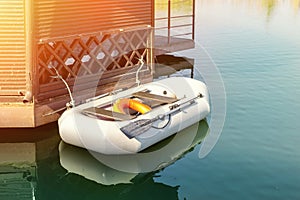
<point>140,126</point>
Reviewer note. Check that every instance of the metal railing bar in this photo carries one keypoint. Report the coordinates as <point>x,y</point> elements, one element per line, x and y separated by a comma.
<point>177,26</point>
<point>173,17</point>
<point>182,34</point>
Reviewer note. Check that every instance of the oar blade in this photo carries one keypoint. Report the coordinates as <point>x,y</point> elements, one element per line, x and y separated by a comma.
<point>136,128</point>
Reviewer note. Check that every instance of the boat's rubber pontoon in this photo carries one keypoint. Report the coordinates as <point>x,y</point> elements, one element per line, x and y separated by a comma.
<point>115,125</point>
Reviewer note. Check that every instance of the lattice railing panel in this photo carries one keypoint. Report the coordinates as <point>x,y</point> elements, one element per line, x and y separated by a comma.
<point>91,54</point>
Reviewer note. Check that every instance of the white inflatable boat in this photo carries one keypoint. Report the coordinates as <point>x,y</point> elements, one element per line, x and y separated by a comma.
<point>132,120</point>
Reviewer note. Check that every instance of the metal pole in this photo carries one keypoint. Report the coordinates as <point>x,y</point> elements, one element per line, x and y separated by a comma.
<point>150,44</point>
<point>193,21</point>
<point>150,49</point>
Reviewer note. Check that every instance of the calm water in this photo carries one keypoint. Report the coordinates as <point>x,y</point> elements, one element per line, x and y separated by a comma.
<point>256,47</point>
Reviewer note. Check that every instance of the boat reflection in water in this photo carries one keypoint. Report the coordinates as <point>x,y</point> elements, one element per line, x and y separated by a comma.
<point>115,169</point>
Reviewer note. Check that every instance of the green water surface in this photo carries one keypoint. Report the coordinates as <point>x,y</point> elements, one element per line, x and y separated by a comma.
<point>256,47</point>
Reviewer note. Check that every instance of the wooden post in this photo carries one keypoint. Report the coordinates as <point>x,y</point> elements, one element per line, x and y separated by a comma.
<point>169,20</point>
<point>153,13</point>
<point>29,49</point>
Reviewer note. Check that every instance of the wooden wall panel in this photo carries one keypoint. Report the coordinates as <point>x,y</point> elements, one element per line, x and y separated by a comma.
<point>57,18</point>
<point>12,48</point>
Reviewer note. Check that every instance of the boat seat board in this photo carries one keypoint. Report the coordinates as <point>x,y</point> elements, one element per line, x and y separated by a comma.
<point>154,97</point>
<point>107,114</point>
<point>152,103</point>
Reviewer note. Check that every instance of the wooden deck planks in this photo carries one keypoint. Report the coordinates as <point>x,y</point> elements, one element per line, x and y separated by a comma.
<point>107,114</point>
<point>154,97</point>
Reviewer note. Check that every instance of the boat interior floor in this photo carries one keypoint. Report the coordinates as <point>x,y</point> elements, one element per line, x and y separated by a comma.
<point>155,97</point>
<point>152,100</point>
<point>101,112</point>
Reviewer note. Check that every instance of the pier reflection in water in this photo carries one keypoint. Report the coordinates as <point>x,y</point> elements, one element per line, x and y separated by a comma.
<point>55,170</point>
<point>20,152</point>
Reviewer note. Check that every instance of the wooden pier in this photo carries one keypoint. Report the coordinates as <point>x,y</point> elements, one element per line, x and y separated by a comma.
<point>92,44</point>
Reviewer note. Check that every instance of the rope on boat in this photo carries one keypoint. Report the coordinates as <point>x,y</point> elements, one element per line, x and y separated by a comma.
<point>72,102</point>
<point>137,80</point>
<point>164,126</point>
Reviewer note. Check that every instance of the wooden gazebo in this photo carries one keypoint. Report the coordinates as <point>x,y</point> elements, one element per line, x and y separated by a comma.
<point>84,40</point>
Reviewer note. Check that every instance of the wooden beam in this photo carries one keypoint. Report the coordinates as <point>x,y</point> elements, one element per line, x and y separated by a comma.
<point>16,115</point>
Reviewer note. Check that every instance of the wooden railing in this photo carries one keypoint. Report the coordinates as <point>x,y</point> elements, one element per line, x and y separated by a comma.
<point>91,56</point>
